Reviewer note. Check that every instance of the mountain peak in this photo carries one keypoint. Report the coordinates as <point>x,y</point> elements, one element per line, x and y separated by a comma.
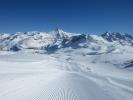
<point>116,36</point>
<point>58,30</point>
<point>58,38</point>
<point>59,33</point>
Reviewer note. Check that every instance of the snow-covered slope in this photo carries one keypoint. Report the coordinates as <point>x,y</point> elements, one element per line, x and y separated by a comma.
<point>68,74</point>
<point>58,65</point>
<point>57,39</point>
<point>123,39</point>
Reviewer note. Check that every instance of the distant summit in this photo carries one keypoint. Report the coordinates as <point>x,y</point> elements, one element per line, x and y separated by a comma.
<point>116,36</point>
<point>57,39</point>
<point>124,39</point>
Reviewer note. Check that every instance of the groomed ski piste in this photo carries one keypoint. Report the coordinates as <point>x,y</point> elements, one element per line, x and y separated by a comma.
<point>67,74</point>
<point>63,77</point>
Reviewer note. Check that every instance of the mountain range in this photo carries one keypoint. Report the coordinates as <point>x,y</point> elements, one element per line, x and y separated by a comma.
<point>58,39</point>
<point>59,65</point>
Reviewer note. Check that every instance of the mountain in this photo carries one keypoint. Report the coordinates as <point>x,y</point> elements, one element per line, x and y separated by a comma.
<point>57,39</point>
<point>58,65</point>
<point>123,39</point>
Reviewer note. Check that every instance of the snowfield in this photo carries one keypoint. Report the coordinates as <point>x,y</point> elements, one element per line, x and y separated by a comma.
<point>64,76</point>
<point>65,66</point>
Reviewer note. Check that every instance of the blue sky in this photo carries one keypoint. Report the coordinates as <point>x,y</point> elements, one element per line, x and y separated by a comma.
<point>83,16</point>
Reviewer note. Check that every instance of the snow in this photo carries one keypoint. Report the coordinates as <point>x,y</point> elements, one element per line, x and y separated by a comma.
<point>64,76</point>
<point>96,69</point>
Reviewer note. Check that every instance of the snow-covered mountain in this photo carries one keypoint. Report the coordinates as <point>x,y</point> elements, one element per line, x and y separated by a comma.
<point>57,39</point>
<point>58,65</point>
<point>123,39</point>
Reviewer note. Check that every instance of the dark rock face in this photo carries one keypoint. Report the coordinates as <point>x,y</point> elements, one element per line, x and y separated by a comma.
<point>129,36</point>
<point>79,38</point>
<point>123,39</point>
<point>74,41</point>
<point>128,64</point>
<point>15,48</point>
<point>51,48</point>
<point>116,36</point>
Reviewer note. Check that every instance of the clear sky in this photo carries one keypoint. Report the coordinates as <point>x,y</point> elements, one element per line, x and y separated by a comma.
<point>83,16</point>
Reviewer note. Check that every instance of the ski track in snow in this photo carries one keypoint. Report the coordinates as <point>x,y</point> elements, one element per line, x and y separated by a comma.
<point>59,86</point>
<point>58,77</point>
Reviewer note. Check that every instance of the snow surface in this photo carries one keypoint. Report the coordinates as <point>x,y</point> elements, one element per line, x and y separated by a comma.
<point>65,75</point>
<point>65,66</point>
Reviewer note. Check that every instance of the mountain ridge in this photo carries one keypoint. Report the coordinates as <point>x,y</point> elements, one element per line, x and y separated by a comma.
<point>57,39</point>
